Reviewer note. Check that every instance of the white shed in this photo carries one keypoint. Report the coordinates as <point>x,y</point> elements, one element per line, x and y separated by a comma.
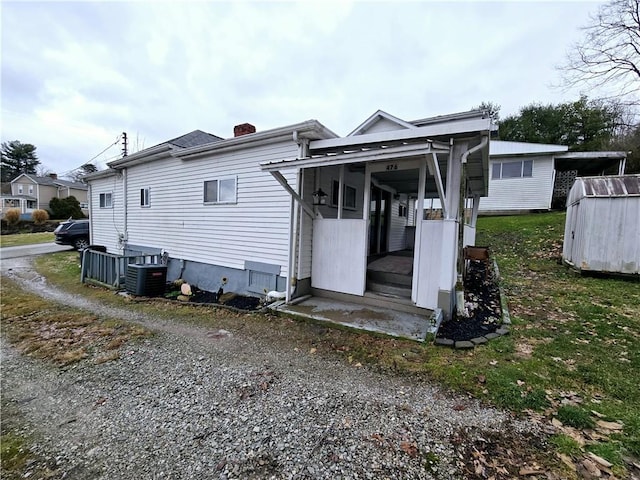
<point>602,229</point>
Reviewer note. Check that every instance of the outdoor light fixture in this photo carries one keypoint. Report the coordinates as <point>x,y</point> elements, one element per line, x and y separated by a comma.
<point>319,197</point>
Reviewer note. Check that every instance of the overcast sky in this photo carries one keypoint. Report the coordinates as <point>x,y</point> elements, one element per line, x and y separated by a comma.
<point>75,75</point>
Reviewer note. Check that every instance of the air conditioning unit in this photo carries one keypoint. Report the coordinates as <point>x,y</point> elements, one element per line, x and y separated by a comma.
<point>148,280</point>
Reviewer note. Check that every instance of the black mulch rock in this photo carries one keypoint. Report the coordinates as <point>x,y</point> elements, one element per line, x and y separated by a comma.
<point>243,303</point>
<point>202,296</point>
<point>482,298</point>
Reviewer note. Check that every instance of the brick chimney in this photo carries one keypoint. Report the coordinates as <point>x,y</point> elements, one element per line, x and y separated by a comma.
<point>54,176</point>
<point>243,129</point>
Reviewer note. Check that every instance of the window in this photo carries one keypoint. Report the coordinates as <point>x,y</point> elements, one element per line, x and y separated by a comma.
<point>105,200</point>
<point>348,197</point>
<point>519,169</point>
<point>402,210</point>
<point>220,191</point>
<point>30,189</point>
<point>144,197</point>
<point>20,189</point>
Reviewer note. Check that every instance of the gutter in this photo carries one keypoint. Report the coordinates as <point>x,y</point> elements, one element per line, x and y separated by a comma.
<point>463,185</point>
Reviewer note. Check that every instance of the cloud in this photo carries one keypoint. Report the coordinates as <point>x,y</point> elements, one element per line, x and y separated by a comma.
<point>76,75</point>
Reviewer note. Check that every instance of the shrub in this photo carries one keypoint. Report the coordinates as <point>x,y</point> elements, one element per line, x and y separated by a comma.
<point>40,216</point>
<point>63,208</point>
<point>12,216</point>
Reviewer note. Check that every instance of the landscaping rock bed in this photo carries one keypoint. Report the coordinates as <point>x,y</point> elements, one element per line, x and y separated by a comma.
<point>483,305</point>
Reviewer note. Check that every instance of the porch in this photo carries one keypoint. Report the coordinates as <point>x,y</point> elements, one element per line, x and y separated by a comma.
<point>387,320</point>
<point>361,215</point>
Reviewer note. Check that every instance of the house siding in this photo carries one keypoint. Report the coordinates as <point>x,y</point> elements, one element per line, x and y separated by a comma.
<point>107,223</point>
<point>256,228</point>
<point>397,233</point>
<point>532,193</point>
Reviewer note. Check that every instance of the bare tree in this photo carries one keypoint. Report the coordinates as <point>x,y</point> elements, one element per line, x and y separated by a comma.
<point>609,55</point>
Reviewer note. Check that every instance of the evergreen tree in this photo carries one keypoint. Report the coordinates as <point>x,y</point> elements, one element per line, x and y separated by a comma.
<point>17,158</point>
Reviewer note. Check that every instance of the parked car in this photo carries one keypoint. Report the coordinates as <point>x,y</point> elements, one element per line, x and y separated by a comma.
<point>73,232</point>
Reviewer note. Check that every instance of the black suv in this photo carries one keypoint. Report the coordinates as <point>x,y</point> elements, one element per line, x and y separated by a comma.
<point>73,232</point>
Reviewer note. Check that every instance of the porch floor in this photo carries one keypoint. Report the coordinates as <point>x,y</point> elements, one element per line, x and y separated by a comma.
<point>366,317</point>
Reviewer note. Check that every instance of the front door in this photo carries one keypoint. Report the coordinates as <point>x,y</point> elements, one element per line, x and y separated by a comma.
<point>379,216</point>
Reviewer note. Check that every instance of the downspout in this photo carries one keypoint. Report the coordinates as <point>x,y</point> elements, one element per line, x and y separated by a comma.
<point>125,233</point>
<point>463,187</point>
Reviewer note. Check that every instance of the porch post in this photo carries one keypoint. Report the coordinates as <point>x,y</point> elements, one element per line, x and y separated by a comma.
<point>417,248</point>
<point>340,191</point>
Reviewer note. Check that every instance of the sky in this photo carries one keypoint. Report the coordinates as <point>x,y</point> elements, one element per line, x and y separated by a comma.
<point>75,75</point>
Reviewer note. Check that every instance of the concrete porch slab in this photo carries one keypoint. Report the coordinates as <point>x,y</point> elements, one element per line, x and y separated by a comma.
<point>365,317</point>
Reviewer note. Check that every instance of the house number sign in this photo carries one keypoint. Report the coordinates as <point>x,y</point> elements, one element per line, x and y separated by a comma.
<point>392,166</point>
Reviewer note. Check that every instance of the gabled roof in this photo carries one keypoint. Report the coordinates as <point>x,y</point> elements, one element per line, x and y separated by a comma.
<point>52,182</point>
<point>195,138</point>
<point>379,122</point>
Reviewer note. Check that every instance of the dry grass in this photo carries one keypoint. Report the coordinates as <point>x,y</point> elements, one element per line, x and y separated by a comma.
<point>61,335</point>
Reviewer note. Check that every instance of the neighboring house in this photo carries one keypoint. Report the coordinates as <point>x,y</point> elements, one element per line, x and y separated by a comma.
<point>529,176</point>
<point>30,192</point>
<point>300,210</point>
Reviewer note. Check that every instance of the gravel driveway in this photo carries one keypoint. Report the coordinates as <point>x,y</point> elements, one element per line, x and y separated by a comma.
<point>202,404</point>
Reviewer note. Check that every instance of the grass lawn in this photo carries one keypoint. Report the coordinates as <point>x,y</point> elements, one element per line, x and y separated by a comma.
<point>26,239</point>
<point>572,358</point>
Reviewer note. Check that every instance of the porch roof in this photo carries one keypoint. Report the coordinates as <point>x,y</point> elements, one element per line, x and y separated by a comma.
<point>434,138</point>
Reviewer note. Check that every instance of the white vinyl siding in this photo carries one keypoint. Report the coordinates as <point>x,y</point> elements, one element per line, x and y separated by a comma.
<point>255,228</point>
<point>107,223</point>
<point>521,193</point>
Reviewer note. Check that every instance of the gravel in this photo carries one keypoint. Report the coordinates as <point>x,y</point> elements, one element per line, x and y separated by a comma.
<point>196,403</point>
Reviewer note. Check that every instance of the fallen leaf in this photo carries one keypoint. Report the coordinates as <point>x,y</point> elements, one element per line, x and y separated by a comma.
<point>567,461</point>
<point>591,468</point>
<point>609,425</point>
<point>597,414</point>
<point>520,383</point>
<point>493,362</point>
<point>482,379</point>
<point>459,407</point>
<point>313,350</point>
<point>556,423</point>
<point>528,471</point>
<point>600,460</point>
<point>409,448</point>
<point>358,364</point>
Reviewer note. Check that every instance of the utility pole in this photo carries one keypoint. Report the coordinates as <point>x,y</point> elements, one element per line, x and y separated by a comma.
<point>124,144</point>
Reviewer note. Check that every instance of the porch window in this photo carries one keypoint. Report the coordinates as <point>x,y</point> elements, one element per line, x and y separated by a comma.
<point>222,190</point>
<point>402,210</point>
<point>519,169</point>
<point>144,197</point>
<point>106,200</point>
<point>348,197</point>
<point>31,204</point>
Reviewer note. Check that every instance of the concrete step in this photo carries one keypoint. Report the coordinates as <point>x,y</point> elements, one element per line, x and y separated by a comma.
<point>389,289</point>
<point>375,299</point>
<point>387,277</point>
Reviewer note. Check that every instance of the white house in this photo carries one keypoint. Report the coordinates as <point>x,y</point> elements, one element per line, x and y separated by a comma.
<point>301,210</point>
<point>530,176</point>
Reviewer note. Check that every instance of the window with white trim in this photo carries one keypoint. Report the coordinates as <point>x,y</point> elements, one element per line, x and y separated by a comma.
<point>511,169</point>
<point>20,189</point>
<point>30,189</point>
<point>144,197</point>
<point>106,200</point>
<point>348,196</point>
<point>222,190</point>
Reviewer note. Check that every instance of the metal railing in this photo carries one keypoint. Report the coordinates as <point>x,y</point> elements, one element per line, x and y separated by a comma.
<point>108,269</point>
